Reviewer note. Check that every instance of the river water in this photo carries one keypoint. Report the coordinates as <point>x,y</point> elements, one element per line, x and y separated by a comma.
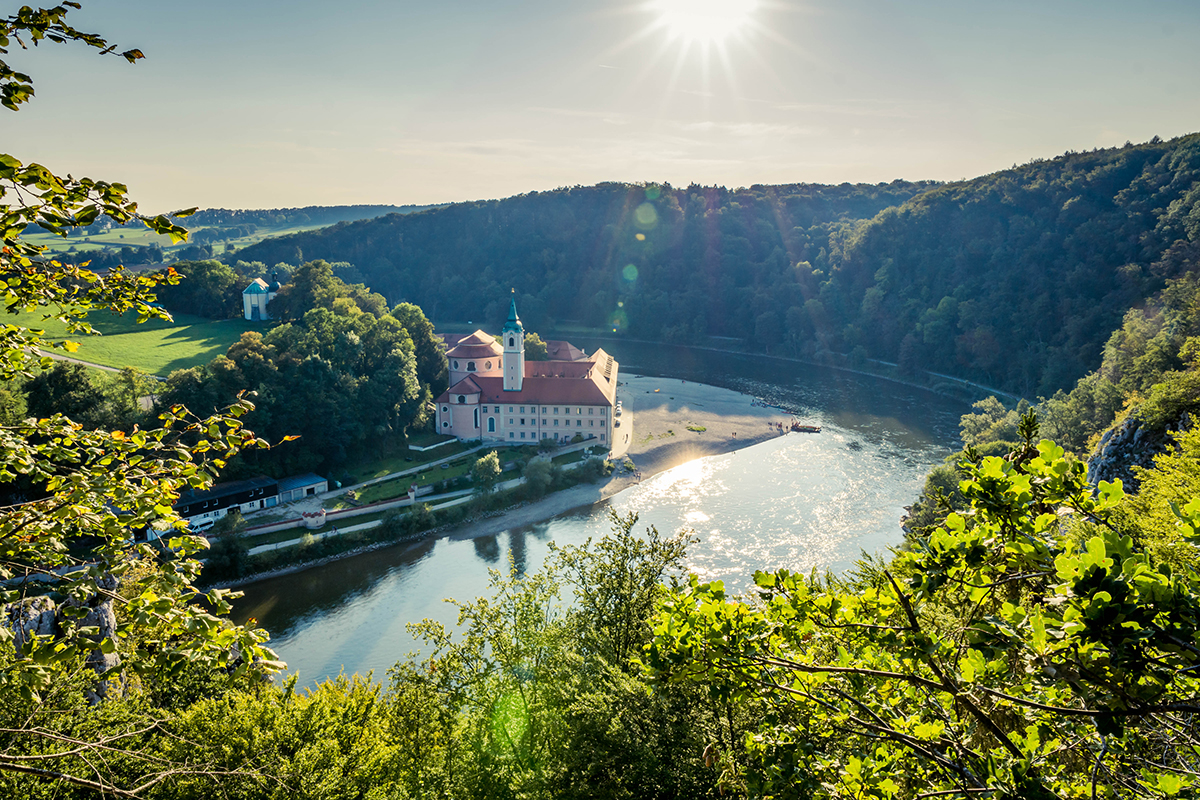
<point>798,501</point>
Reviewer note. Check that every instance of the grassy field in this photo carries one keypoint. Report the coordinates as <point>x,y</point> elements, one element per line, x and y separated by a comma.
<point>156,347</point>
<point>402,460</point>
<point>141,237</point>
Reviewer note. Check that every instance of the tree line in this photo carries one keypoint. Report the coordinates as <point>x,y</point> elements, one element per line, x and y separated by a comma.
<point>1012,279</point>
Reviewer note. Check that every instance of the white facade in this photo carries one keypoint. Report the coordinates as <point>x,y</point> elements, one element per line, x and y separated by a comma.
<point>255,298</point>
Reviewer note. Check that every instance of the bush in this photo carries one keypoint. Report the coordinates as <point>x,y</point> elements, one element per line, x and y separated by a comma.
<point>228,554</point>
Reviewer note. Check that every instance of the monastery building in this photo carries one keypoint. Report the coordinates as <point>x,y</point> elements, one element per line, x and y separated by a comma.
<point>496,395</point>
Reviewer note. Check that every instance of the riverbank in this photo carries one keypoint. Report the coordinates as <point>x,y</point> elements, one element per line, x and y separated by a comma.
<point>936,382</point>
<point>658,413</point>
<point>669,422</point>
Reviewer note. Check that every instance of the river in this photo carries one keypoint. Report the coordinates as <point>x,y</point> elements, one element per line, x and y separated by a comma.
<point>799,501</point>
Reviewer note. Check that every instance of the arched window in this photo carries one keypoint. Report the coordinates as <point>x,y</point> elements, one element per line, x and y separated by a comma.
<point>512,342</point>
<point>476,417</point>
<point>462,399</point>
<point>491,424</point>
<point>470,366</point>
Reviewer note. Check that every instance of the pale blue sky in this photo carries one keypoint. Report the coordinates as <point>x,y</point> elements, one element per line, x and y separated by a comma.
<point>265,103</point>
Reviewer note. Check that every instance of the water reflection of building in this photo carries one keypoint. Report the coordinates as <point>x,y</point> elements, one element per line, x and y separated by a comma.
<point>496,395</point>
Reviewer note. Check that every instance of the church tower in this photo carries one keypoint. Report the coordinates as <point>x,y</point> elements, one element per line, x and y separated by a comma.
<point>513,337</point>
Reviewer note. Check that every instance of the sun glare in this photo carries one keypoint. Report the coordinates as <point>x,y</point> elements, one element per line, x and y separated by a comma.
<point>704,21</point>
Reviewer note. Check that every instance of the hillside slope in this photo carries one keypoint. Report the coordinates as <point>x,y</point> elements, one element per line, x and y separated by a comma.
<point>1014,279</point>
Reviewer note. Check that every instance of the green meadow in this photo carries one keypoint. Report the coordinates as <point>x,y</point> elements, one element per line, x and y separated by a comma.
<point>140,237</point>
<point>155,346</point>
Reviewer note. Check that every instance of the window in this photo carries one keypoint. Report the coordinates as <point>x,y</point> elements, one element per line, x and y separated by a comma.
<point>512,435</point>
<point>470,366</point>
<point>602,437</point>
<point>510,421</point>
<point>488,365</point>
<point>579,411</point>
<point>491,424</point>
<point>445,409</point>
<point>545,422</point>
<point>591,411</point>
<point>522,434</point>
<point>510,411</point>
<point>522,409</point>
<point>602,412</point>
<point>556,423</point>
<point>445,424</point>
<point>522,422</point>
<point>543,409</point>
<point>578,423</point>
<point>512,342</point>
<point>591,422</point>
<point>556,409</point>
<point>462,398</point>
<point>456,365</point>
<point>477,418</point>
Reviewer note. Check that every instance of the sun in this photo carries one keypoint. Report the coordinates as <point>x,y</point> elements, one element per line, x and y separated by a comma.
<point>704,21</point>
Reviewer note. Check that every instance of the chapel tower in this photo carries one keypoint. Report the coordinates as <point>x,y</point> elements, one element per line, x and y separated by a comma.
<point>513,337</point>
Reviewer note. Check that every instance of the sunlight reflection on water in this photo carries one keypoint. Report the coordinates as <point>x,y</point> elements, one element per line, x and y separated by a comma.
<point>800,501</point>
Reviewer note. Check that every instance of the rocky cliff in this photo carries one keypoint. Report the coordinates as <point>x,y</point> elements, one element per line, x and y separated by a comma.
<point>1128,444</point>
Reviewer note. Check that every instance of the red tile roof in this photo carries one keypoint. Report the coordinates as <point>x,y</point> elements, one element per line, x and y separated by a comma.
<point>585,383</point>
<point>558,369</point>
<point>475,345</point>
<point>563,351</point>
<point>465,386</point>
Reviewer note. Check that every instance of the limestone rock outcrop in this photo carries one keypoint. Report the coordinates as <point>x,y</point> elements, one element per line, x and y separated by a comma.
<point>31,616</point>
<point>1128,444</point>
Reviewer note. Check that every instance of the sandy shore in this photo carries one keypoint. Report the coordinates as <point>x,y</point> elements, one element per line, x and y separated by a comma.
<point>663,410</point>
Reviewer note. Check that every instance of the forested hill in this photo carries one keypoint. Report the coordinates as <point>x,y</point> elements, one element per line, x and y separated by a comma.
<point>567,251</point>
<point>308,215</point>
<point>1015,278</point>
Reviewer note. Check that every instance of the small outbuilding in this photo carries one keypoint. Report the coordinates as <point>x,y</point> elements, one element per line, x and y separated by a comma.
<point>298,487</point>
<point>256,296</point>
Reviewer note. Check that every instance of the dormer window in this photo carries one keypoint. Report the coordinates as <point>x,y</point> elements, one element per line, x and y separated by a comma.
<point>462,399</point>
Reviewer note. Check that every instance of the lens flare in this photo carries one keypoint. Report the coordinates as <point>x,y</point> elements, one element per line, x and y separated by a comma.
<point>645,215</point>
<point>704,21</point>
<point>630,273</point>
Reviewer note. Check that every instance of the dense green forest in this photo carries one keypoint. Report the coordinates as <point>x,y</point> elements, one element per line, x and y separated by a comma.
<point>284,217</point>
<point>1013,279</point>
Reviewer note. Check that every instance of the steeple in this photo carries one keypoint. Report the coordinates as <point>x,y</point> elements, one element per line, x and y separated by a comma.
<point>513,338</point>
<point>514,321</point>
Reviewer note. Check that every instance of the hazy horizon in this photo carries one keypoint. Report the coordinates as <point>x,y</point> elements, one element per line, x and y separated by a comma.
<point>277,104</point>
